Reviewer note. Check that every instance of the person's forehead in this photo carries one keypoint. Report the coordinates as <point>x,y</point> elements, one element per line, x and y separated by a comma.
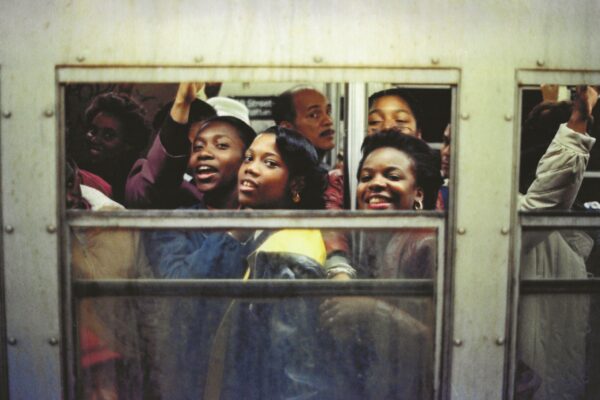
<point>106,119</point>
<point>218,128</point>
<point>393,103</point>
<point>265,142</point>
<point>307,98</point>
<point>388,156</point>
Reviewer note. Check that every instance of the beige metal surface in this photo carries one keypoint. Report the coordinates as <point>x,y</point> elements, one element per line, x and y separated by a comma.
<point>486,40</point>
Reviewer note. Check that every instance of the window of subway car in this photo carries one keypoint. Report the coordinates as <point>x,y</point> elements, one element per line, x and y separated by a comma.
<point>202,148</point>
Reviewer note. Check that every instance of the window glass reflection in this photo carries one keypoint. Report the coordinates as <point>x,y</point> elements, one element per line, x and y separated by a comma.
<point>557,347</point>
<point>179,348</point>
<point>326,346</point>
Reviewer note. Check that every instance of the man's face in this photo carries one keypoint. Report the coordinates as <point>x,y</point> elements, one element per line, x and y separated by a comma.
<point>217,154</point>
<point>313,119</point>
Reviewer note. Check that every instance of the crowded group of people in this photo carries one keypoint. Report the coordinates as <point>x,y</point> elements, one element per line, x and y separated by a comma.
<point>206,156</point>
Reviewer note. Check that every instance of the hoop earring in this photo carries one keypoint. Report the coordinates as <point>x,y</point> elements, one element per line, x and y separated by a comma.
<point>296,197</point>
<point>418,205</point>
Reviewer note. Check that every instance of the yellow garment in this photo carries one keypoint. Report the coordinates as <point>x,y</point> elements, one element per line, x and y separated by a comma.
<point>306,242</point>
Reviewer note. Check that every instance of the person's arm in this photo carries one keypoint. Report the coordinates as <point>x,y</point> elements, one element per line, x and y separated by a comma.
<point>560,171</point>
<point>337,265</point>
<point>153,180</point>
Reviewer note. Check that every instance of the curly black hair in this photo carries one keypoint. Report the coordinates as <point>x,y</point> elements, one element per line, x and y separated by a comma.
<point>426,164</point>
<point>405,95</point>
<point>301,158</point>
<point>131,114</point>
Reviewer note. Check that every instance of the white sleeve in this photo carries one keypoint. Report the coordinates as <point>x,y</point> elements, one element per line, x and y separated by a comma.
<point>99,200</point>
<point>560,172</point>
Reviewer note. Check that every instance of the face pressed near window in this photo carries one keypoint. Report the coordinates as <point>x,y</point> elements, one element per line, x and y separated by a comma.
<point>387,181</point>
<point>263,176</point>
<point>104,139</point>
<point>217,154</point>
<point>392,112</point>
<point>313,119</point>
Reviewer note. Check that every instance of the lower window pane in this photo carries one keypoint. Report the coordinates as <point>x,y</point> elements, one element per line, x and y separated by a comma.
<point>558,343</point>
<point>292,348</point>
<point>183,327</point>
<point>559,346</point>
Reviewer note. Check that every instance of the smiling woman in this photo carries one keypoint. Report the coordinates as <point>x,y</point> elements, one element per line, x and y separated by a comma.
<point>397,172</point>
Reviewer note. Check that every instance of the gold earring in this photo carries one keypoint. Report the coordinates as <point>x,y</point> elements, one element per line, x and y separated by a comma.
<point>296,197</point>
<point>418,205</point>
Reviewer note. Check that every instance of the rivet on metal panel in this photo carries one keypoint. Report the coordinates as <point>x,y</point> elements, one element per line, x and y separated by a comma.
<point>464,116</point>
<point>198,59</point>
<point>51,228</point>
<point>508,117</point>
<point>540,62</point>
<point>318,59</point>
<point>12,341</point>
<point>80,58</point>
<point>457,342</point>
<point>49,112</point>
<point>461,231</point>
<point>9,229</point>
<point>504,231</point>
<point>53,341</point>
<point>435,60</point>
<point>6,114</point>
<point>500,341</point>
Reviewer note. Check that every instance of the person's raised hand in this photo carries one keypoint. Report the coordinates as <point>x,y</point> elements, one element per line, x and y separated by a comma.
<point>186,94</point>
<point>584,102</point>
<point>549,92</point>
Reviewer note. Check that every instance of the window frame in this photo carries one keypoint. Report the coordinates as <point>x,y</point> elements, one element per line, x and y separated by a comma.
<point>435,77</point>
<point>526,79</point>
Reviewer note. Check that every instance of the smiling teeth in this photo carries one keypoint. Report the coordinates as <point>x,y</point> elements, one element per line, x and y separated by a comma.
<point>248,184</point>
<point>205,168</point>
<point>377,200</point>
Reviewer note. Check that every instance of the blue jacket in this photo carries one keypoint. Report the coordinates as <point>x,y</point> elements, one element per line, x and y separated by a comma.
<point>188,254</point>
<point>189,324</point>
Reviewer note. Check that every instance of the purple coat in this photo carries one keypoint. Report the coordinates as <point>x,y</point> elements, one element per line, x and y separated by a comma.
<point>157,181</point>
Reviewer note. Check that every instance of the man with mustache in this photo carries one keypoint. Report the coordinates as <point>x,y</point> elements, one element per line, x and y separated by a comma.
<point>307,111</point>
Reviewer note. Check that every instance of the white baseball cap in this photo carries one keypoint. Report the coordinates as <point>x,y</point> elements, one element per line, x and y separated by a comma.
<point>226,107</point>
